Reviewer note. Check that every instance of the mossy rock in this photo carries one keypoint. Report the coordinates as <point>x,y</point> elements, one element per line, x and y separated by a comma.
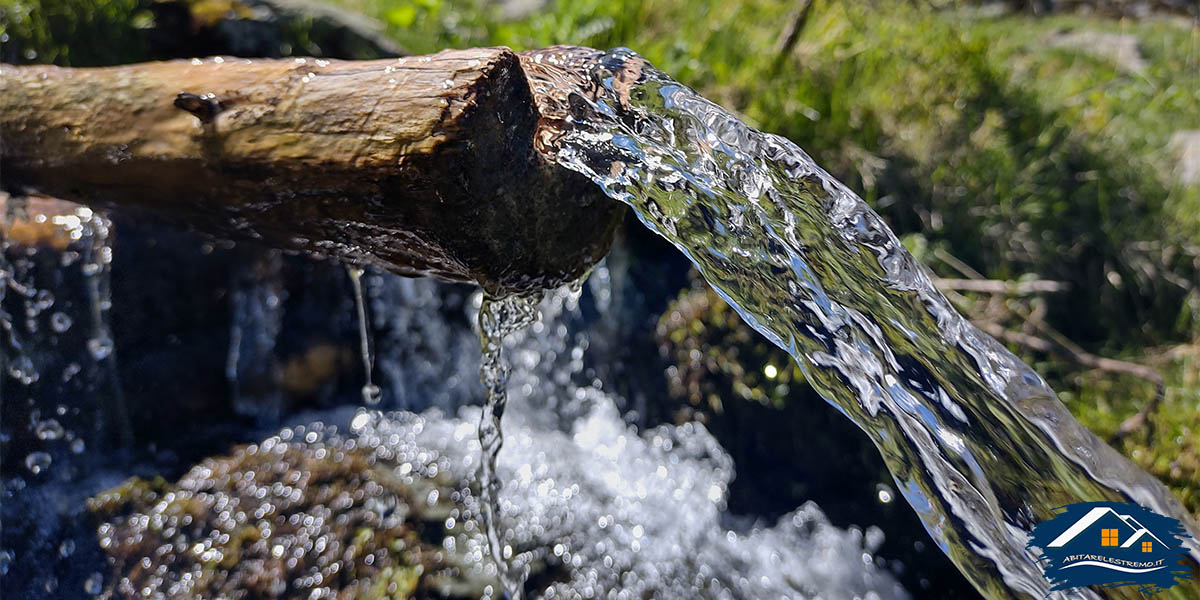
<point>282,520</point>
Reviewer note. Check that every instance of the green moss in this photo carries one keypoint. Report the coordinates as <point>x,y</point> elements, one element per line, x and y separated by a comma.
<point>278,520</point>
<point>394,583</point>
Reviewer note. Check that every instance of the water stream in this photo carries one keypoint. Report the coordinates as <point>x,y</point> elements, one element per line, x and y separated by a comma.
<point>975,439</point>
<point>498,317</point>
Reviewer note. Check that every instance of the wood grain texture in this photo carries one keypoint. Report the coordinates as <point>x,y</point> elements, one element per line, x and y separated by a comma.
<point>420,165</point>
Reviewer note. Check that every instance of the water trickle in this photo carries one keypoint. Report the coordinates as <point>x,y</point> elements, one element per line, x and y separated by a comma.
<point>97,267</point>
<point>976,441</point>
<point>498,317</point>
<point>370,392</point>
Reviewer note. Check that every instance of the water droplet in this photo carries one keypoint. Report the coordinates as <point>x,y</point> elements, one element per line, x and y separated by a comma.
<point>37,462</point>
<point>49,429</point>
<point>21,368</point>
<point>360,421</point>
<point>78,446</point>
<point>70,371</point>
<point>67,548</point>
<point>885,494</point>
<point>94,584</point>
<point>60,322</point>
<point>100,347</point>
<point>371,394</point>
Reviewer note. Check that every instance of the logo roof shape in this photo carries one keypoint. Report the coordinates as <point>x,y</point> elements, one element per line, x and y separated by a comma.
<point>1095,515</point>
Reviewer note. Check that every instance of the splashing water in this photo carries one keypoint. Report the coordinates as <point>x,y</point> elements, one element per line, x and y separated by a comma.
<point>498,318</point>
<point>370,392</point>
<point>976,440</point>
<point>593,508</point>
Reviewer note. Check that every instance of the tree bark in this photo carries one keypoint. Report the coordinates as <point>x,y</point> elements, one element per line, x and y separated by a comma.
<point>420,165</point>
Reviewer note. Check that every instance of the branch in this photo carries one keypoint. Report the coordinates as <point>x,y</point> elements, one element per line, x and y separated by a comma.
<point>421,165</point>
<point>993,286</point>
<point>1060,345</point>
<point>1128,426</point>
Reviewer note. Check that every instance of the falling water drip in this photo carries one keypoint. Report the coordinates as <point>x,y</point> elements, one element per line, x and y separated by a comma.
<point>498,318</point>
<point>257,295</point>
<point>97,268</point>
<point>370,392</point>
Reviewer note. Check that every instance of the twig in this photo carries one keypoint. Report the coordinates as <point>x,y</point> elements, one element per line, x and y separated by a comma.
<point>957,264</point>
<point>995,286</point>
<point>1111,365</point>
<point>1058,343</point>
<point>791,33</point>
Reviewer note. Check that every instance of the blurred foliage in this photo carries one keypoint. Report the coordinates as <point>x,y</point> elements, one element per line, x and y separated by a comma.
<point>1170,447</point>
<point>106,32</point>
<point>75,32</point>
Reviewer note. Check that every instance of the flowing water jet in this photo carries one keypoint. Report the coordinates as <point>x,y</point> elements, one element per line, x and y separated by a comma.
<point>975,439</point>
<point>498,317</point>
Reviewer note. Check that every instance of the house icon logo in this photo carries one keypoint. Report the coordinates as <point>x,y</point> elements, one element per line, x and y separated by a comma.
<point>1111,544</point>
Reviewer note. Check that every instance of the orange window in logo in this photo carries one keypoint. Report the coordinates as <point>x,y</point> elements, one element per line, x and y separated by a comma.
<point>1147,546</point>
<point>1108,537</point>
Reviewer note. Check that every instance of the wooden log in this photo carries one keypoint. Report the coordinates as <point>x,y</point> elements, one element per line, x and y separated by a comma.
<point>419,165</point>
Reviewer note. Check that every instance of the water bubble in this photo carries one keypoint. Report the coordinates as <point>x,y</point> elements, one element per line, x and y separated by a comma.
<point>100,347</point>
<point>21,368</point>
<point>94,584</point>
<point>360,421</point>
<point>50,429</point>
<point>67,548</point>
<point>885,494</point>
<point>6,558</point>
<point>60,322</point>
<point>78,446</point>
<point>37,462</point>
<point>41,301</point>
<point>70,371</point>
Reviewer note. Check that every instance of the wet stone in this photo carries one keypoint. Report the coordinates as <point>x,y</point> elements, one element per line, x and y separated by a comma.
<point>298,515</point>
